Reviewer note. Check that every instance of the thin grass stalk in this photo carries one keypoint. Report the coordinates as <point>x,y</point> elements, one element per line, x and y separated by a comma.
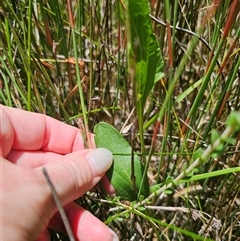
<point>13,30</point>
<point>173,40</point>
<point>7,8</point>
<point>229,53</point>
<point>178,72</point>
<point>46,40</point>
<point>8,39</point>
<point>141,131</point>
<point>29,44</point>
<point>84,111</point>
<point>226,29</point>
<point>39,103</point>
<point>175,19</point>
<point>208,105</point>
<point>219,19</point>
<point>170,44</point>
<point>199,97</point>
<point>7,101</point>
<point>81,25</point>
<point>18,86</point>
<point>22,20</point>
<point>91,38</point>
<point>227,89</point>
<point>54,91</point>
<point>118,57</point>
<point>17,82</point>
<point>234,10</point>
<point>55,7</point>
<point>2,97</point>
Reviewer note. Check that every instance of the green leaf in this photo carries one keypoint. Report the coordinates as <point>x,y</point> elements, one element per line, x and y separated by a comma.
<point>231,141</point>
<point>197,153</point>
<point>144,54</point>
<point>188,91</point>
<point>233,120</point>
<point>168,180</point>
<point>155,187</point>
<point>120,172</point>
<point>214,135</point>
<point>168,191</point>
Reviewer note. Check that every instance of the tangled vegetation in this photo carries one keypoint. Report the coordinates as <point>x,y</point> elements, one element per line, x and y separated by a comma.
<point>76,61</point>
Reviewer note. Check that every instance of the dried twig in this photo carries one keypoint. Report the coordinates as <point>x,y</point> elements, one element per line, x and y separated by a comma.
<point>59,205</point>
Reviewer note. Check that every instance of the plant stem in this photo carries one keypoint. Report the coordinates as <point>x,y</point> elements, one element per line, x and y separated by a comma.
<point>86,131</point>
<point>29,43</point>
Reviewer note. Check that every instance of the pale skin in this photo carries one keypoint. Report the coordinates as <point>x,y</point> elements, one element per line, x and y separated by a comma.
<point>29,141</point>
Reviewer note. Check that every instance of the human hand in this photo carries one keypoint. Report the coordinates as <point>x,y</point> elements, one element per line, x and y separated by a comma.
<point>29,141</point>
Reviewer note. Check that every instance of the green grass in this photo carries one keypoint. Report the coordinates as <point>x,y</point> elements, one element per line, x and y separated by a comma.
<point>72,63</point>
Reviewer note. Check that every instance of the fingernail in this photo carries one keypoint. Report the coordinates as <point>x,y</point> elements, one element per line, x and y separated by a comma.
<point>114,235</point>
<point>100,160</point>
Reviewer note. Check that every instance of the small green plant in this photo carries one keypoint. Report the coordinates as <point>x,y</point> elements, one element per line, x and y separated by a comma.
<point>126,172</point>
<point>121,172</point>
<point>108,137</point>
<point>120,176</point>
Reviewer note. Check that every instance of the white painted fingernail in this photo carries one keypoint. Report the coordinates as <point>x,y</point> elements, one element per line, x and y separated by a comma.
<point>100,160</point>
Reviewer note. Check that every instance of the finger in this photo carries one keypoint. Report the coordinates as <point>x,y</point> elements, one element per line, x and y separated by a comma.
<point>84,225</point>
<point>35,159</point>
<point>44,236</point>
<point>78,174</point>
<point>109,189</point>
<point>6,133</point>
<point>32,131</point>
<point>38,159</point>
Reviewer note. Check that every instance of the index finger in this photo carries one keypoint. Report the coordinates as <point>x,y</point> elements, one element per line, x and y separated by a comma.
<point>23,130</point>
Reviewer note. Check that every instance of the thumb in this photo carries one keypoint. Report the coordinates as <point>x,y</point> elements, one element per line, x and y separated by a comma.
<point>78,172</point>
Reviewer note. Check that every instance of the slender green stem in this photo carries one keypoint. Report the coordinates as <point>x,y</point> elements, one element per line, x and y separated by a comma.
<point>82,101</point>
<point>205,81</point>
<point>91,50</point>
<point>29,44</point>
